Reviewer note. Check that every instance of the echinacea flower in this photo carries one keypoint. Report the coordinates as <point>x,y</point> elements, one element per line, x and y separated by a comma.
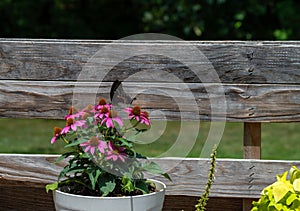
<point>87,111</point>
<point>72,124</point>
<point>74,113</point>
<point>102,103</point>
<point>102,149</point>
<point>138,115</point>
<point>57,134</point>
<point>108,120</point>
<point>115,153</point>
<point>94,143</point>
<point>103,112</point>
<point>145,118</point>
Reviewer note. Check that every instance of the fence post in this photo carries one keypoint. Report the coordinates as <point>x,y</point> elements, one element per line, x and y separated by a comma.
<point>252,149</point>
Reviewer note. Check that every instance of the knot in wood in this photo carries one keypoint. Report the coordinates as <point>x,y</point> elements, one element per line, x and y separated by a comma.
<point>250,54</point>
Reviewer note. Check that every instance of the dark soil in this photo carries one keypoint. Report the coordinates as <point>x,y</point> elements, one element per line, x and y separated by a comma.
<point>82,190</point>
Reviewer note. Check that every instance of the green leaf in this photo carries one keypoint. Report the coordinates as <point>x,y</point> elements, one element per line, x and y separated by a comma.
<point>72,168</point>
<point>296,204</point>
<point>280,189</point>
<point>107,187</point>
<point>138,155</point>
<point>77,169</point>
<point>291,199</point>
<point>142,186</point>
<point>60,158</point>
<point>52,186</point>
<point>139,126</point>
<point>125,142</point>
<point>127,184</point>
<point>262,204</point>
<point>296,185</point>
<point>77,142</point>
<point>294,173</point>
<point>63,172</point>
<point>167,176</point>
<point>90,120</point>
<point>63,156</point>
<point>282,177</point>
<point>278,206</point>
<point>154,168</point>
<point>94,178</point>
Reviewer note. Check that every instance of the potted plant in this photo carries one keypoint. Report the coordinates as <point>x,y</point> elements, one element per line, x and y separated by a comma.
<point>284,194</point>
<point>102,164</point>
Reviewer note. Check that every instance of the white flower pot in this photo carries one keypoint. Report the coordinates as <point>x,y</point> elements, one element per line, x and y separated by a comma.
<point>71,202</point>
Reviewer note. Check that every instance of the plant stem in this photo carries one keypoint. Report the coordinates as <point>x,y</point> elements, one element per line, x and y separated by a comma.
<point>65,140</point>
<point>204,198</point>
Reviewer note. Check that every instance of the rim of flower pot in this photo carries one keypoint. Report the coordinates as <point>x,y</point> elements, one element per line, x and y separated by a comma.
<point>118,197</point>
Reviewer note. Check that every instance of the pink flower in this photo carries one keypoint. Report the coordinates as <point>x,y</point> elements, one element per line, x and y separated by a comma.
<point>103,112</point>
<point>57,134</point>
<point>71,124</point>
<point>145,118</point>
<point>82,114</point>
<point>74,113</point>
<point>102,103</point>
<point>108,120</point>
<point>115,153</point>
<point>138,115</point>
<point>94,143</point>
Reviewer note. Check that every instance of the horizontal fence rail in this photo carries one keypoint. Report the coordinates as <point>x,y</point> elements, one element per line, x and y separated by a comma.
<point>235,61</point>
<point>260,80</point>
<point>36,99</point>
<point>236,81</point>
<point>234,179</point>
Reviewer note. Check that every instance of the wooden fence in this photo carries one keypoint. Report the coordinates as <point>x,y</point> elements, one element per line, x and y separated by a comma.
<point>258,80</point>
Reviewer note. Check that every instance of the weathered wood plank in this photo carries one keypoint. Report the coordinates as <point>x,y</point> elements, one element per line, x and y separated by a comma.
<point>245,103</point>
<point>187,203</point>
<point>234,178</point>
<point>260,82</point>
<point>234,61</point>
<point>24,198</point>
<point>12,198</point>
<point>252,149</point>
<point>252,140</point>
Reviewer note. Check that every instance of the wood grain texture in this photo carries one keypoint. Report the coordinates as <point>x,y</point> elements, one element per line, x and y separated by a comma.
<point>252,149</point>
<point>24,198</point>
<point>260,82</point>
<point>252,140</point>
<point>191,101</point>
<point>187,203</point>
<point>234,178</point>
<point>12,199</point>
<point>234,61</point>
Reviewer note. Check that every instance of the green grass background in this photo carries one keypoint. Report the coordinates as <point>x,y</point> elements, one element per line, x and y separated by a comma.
<point>279,140</point>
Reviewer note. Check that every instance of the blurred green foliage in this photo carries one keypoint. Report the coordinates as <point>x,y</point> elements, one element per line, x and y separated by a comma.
<point>186,19</point>
<point>224,19</point>
<point>67,19</point>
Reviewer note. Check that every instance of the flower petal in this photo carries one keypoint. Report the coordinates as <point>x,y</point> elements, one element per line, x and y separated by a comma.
<point>92,150</point>
<point>65,130</point>
<point>109,123</point>
<point>83,144</point>
<point>53,140</point>
<point>122,158</point>
<point>118,120</point>
<point>73,127</point>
